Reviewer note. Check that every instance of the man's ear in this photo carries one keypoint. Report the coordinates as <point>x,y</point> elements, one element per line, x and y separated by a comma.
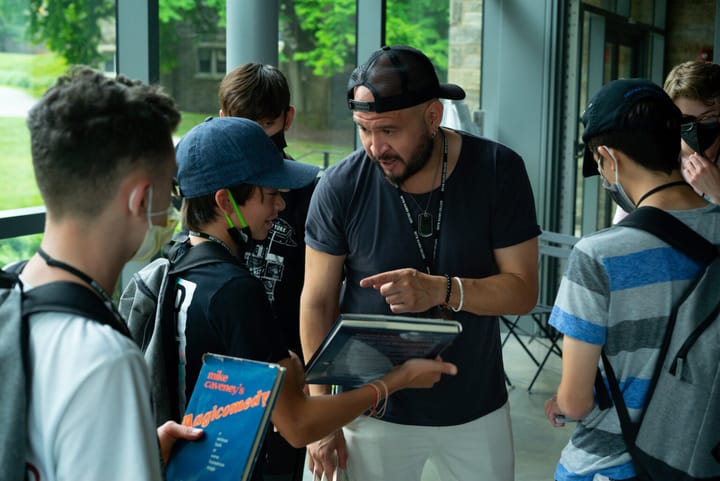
<point>138,197</point>
<point>434,114</point>
<point>221,113</point>
<point>289,117</point>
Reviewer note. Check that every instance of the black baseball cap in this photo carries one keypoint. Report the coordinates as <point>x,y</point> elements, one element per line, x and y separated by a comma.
<point>398,77</point>
<point>606,113</point>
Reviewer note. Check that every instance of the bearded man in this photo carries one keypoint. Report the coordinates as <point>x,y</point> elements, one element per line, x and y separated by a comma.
<point>430,222</point>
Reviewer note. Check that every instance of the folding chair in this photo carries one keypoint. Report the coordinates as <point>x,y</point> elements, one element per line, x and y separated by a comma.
<point>553,249</point>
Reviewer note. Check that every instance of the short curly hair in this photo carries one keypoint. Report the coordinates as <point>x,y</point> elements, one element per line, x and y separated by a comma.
<point>88,131</point>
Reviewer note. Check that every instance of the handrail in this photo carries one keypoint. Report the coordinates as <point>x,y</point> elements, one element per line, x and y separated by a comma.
<point>20,222</point>
<point>326,155</point>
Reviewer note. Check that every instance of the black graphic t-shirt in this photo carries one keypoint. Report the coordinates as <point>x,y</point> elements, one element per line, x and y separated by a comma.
<point>279,262</point>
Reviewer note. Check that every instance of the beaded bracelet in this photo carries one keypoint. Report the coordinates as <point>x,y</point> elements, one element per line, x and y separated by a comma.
<point>449,289</point>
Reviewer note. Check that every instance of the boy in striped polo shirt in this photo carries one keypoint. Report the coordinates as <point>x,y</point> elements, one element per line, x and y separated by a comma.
<point>621,283</point>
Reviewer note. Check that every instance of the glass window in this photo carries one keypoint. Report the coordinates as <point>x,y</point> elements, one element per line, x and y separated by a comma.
<point>604,4</point>
<point>204,56</point>
<point>642,11</point>
<point>36,47</point>
<point>318,54</point>
<point>450,34</point>
<point>38,40</point>
<point>211,61</point>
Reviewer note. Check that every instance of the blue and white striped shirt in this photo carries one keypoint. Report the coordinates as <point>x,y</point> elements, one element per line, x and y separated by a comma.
<point>618,290</point>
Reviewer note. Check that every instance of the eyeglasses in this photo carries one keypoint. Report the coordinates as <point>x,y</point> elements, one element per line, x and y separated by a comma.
<point>688,122</point>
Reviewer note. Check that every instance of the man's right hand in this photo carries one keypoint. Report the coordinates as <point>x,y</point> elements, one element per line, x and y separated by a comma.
<point>327,455</point>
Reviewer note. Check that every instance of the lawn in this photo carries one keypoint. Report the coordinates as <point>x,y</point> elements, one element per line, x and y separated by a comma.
<point>30,73</point>
<point>33,74</point>
<point>19,189</point>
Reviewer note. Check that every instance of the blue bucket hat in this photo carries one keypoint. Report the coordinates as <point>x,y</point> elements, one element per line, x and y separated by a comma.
<point>224,152</point>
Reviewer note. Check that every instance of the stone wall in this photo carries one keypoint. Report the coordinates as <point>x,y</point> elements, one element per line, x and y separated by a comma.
<point>465,50</point>
<point>690,28</point>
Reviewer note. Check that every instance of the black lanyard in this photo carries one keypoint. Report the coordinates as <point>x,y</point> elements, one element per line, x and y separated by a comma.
<point>440,211</point>
<point>213,239</point>
<point>107,300</point>
<point>659,188</point>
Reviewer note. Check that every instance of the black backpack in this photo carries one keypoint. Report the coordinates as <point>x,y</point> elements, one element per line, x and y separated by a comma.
<point>149,304</point>
<point>678,436</point>
<point>15,307</point>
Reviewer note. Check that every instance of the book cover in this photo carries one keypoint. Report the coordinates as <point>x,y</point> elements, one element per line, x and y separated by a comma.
<point>363,347</point>
<point>232,402</point>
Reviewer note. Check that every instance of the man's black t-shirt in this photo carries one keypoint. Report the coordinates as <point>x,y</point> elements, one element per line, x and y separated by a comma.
<point>488,205</point>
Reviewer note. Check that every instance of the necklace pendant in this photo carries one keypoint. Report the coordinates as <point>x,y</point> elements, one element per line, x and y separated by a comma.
<point>425,224</point>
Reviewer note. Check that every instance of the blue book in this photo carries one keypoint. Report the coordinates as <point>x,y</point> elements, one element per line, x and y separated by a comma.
<point>232,402</point>
<point>363,347</point>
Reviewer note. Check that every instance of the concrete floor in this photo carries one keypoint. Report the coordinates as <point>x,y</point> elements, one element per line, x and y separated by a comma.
<point>537,443</point>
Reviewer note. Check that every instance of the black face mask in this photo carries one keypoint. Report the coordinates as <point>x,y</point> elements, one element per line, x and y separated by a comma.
<point>700,136</point>
<point>279,140</point>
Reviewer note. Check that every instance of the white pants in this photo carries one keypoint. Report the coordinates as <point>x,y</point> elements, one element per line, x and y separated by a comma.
<point>479,450</point>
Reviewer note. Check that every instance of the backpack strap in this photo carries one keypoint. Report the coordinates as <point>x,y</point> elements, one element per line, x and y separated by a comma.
<point>71,298</point>
<point>672,230</point>
<point>60,296</point>
<point>186,257</point>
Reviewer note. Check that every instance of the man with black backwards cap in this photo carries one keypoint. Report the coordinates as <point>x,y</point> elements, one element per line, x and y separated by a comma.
<point>632,139</point>
<point>230,174</point>
<point>431,222</point>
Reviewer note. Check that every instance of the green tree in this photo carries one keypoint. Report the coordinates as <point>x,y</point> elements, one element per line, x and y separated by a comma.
<point>422,24</point>
<point>70,28</point>
<point>329,23</point>
<point>12,21</point>
<point>204,16</point>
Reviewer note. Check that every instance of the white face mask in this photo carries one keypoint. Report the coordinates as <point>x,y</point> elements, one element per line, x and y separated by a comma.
<point>616,191</point>
<point>157,235</point>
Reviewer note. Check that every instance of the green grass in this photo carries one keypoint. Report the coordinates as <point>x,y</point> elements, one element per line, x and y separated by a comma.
<point>30,73</point>
<point>188,121</point>
<point>19,189</point>
<point>33,74</point>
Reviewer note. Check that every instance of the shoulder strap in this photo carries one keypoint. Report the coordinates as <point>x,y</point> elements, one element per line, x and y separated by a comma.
<point>201,254</point>
<point>675,232</point>
<point>629,430</point>
<point>71,298</point>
